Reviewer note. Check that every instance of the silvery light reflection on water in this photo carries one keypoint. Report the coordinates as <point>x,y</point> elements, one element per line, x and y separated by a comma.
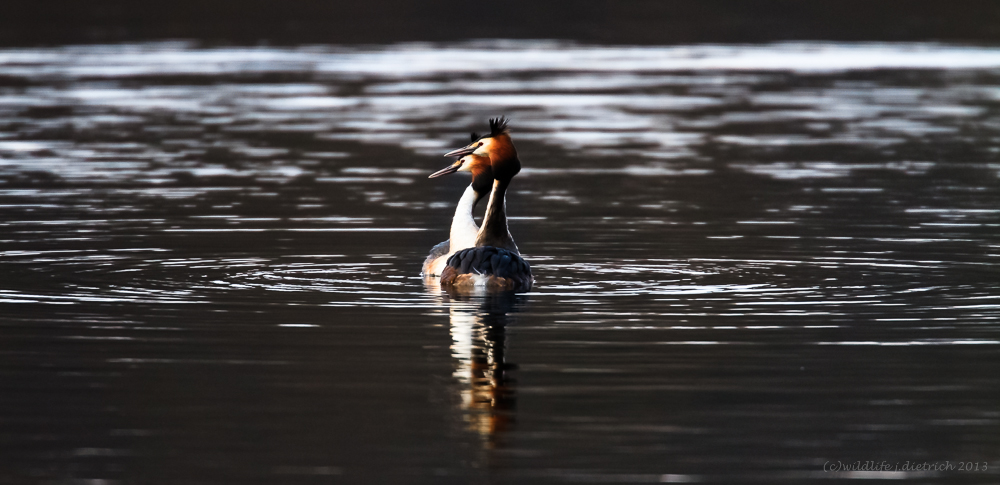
<point>776,255</point>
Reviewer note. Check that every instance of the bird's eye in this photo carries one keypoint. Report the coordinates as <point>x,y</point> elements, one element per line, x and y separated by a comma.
<point>480,144</point>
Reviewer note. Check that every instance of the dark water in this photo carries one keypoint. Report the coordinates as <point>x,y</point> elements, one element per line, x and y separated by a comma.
<point>751,262</point>
<point>635,22</point>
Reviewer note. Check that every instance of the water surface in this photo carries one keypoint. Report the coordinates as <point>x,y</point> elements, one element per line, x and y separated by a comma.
<point>750,260</point>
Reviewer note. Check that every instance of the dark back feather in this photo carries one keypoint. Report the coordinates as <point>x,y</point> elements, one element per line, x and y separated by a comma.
<point>492,261</point>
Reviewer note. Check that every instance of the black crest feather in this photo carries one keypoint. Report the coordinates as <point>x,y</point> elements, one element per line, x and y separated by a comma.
<point>498,126</point>
<point>475,136</point>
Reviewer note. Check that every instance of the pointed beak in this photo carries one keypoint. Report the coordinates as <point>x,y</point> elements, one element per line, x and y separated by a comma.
<point>461,152</point>
<point>445,171</point>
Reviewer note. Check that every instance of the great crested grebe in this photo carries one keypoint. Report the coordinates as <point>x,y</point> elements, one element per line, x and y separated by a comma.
<point>463,226</point>
<point>494,262</point>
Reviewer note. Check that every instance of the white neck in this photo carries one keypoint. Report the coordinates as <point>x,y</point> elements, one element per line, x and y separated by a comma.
<point>463,225</point>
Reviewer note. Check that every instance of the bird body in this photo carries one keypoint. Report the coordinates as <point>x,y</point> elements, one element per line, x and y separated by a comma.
<point>488,267</point>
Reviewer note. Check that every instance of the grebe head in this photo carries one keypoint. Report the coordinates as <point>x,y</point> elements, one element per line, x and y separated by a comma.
<point>472,163</point>
<point>479,166</point>
<point>497,146</point>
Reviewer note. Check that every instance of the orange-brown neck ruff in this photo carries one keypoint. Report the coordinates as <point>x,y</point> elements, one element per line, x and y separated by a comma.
<point>482,177</point>
<point>503,157</point>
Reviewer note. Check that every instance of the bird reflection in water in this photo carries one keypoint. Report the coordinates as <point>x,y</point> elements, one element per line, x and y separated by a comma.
<point>479,342</point>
